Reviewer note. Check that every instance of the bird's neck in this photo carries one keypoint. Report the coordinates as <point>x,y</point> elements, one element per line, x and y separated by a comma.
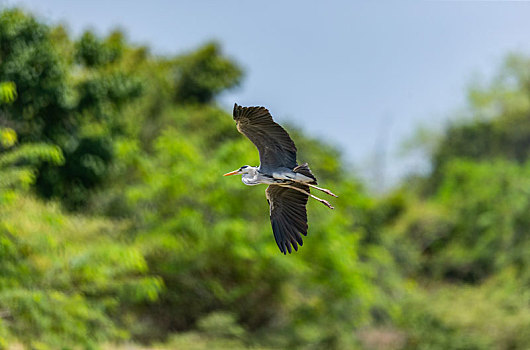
<point>251,176</point>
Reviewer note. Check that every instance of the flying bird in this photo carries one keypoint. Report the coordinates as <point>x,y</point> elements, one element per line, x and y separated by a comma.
<point>289,183</point>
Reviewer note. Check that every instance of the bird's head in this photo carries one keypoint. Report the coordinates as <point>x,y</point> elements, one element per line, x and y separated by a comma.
<point>243,170</point>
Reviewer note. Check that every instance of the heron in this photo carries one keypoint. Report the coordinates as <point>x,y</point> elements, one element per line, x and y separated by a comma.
<point>289,183</point>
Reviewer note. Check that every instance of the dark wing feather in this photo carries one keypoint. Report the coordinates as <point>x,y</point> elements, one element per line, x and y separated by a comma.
<point>288,215</point>
<point>276,149</point>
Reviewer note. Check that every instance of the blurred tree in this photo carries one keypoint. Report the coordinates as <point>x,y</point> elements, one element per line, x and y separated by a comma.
<point>462,231</point>
<point>46,284</point>
<point>8,92</point>
<point>201,75</point>
<point>92,52</point>
<point>57,103</point>
<point>499,126</point>
<point>17,166</point>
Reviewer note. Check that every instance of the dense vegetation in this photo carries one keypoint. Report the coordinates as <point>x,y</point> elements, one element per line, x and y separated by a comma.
<point>113,230</point>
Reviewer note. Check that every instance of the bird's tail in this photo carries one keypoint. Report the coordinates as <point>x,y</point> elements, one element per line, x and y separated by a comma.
<point>304,170</point>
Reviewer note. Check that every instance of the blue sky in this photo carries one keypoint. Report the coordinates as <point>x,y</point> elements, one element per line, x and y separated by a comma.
<point>362,75</point>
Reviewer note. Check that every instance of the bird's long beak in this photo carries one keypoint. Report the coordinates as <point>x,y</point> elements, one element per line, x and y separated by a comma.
<point>232,172</point>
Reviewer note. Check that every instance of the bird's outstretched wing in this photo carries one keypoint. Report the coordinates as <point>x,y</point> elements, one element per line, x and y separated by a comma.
<point>276,149</point>
<point>288,215</point>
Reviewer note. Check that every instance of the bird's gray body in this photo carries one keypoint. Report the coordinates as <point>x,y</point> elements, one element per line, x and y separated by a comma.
<point>252,176</point>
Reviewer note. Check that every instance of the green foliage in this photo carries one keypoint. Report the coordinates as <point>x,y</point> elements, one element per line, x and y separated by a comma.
<point>475,226</point>
<point>464,235</point>
<point>498,125</point>
<point>17,166</point>
<point>60,103</point>
<point>492,316</point>
<point>217,330</point>
<point>92,52</point>
<point>8,92</point>
<point>52,293</point>
<point>489,232</point>
<point>62,276</point>
<point>203,74</point>
<point>29,61</point>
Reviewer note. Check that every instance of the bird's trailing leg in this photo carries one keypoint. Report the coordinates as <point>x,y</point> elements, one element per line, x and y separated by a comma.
<point>326,203</point>
<point>325,190</point>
